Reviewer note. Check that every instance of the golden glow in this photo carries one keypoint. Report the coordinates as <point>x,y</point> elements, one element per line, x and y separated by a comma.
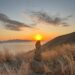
<point>38,37</point>
<point>29,35</point>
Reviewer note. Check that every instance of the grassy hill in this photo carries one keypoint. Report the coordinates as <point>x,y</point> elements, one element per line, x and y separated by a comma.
<point>64,39</point>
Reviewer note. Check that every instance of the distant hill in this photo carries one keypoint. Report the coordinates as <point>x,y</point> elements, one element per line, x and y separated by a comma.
<point>68,38</point>
<point>16,40</point>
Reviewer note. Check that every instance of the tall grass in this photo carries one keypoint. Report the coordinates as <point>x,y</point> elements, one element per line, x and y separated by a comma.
<point>60,61</point>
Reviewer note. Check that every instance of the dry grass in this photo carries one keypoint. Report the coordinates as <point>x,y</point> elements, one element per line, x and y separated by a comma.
<point>60,60</point>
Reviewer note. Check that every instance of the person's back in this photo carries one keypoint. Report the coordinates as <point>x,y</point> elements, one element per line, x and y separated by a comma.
<point>36,64</point>
<point>37,55</point>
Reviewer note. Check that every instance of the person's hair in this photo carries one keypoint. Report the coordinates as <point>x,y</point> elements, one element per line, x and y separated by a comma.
<point>38,44</point>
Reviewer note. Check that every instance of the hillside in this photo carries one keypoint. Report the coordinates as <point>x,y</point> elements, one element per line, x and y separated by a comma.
<point>64,39</point>
<point>59,55</point>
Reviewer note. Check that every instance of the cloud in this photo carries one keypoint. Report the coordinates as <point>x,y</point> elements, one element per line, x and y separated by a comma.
<point>51,20</point>
<point>12,24</point>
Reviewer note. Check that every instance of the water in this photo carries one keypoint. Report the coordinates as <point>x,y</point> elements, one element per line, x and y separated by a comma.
<point>17,47</point>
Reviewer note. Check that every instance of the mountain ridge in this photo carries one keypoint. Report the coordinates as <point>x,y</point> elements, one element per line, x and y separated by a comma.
<point>15,40</point>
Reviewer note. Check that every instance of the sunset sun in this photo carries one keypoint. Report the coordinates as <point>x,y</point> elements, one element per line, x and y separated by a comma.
<point>38,37</point>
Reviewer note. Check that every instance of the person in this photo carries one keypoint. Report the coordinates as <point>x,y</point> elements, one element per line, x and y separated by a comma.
<point>38,44</point>
<point>37,65</point>
<point>38,50</point>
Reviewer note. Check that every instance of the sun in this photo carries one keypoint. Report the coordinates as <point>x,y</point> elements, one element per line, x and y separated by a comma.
<point>38,37</point>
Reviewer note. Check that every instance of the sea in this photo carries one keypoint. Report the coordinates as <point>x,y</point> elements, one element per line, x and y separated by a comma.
<point>18,47</point>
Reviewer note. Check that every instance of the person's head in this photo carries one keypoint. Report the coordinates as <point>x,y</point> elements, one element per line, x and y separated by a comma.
<point>38,44</point>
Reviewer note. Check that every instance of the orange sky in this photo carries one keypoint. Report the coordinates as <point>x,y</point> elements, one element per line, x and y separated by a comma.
<point>30,36</point>
<point>26,34</point>
<point>48,32</point>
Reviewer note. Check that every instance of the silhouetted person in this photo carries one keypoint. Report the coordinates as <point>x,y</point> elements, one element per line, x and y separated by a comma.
<point>38,45</point>
<point>37,65</point>
<point>38,49</point>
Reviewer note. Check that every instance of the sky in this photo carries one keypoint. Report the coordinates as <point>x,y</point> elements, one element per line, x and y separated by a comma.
<point>23,19</point>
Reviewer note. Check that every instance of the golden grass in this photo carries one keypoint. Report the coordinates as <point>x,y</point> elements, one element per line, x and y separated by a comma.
<point>64,56</point>
<point>60,61</point>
